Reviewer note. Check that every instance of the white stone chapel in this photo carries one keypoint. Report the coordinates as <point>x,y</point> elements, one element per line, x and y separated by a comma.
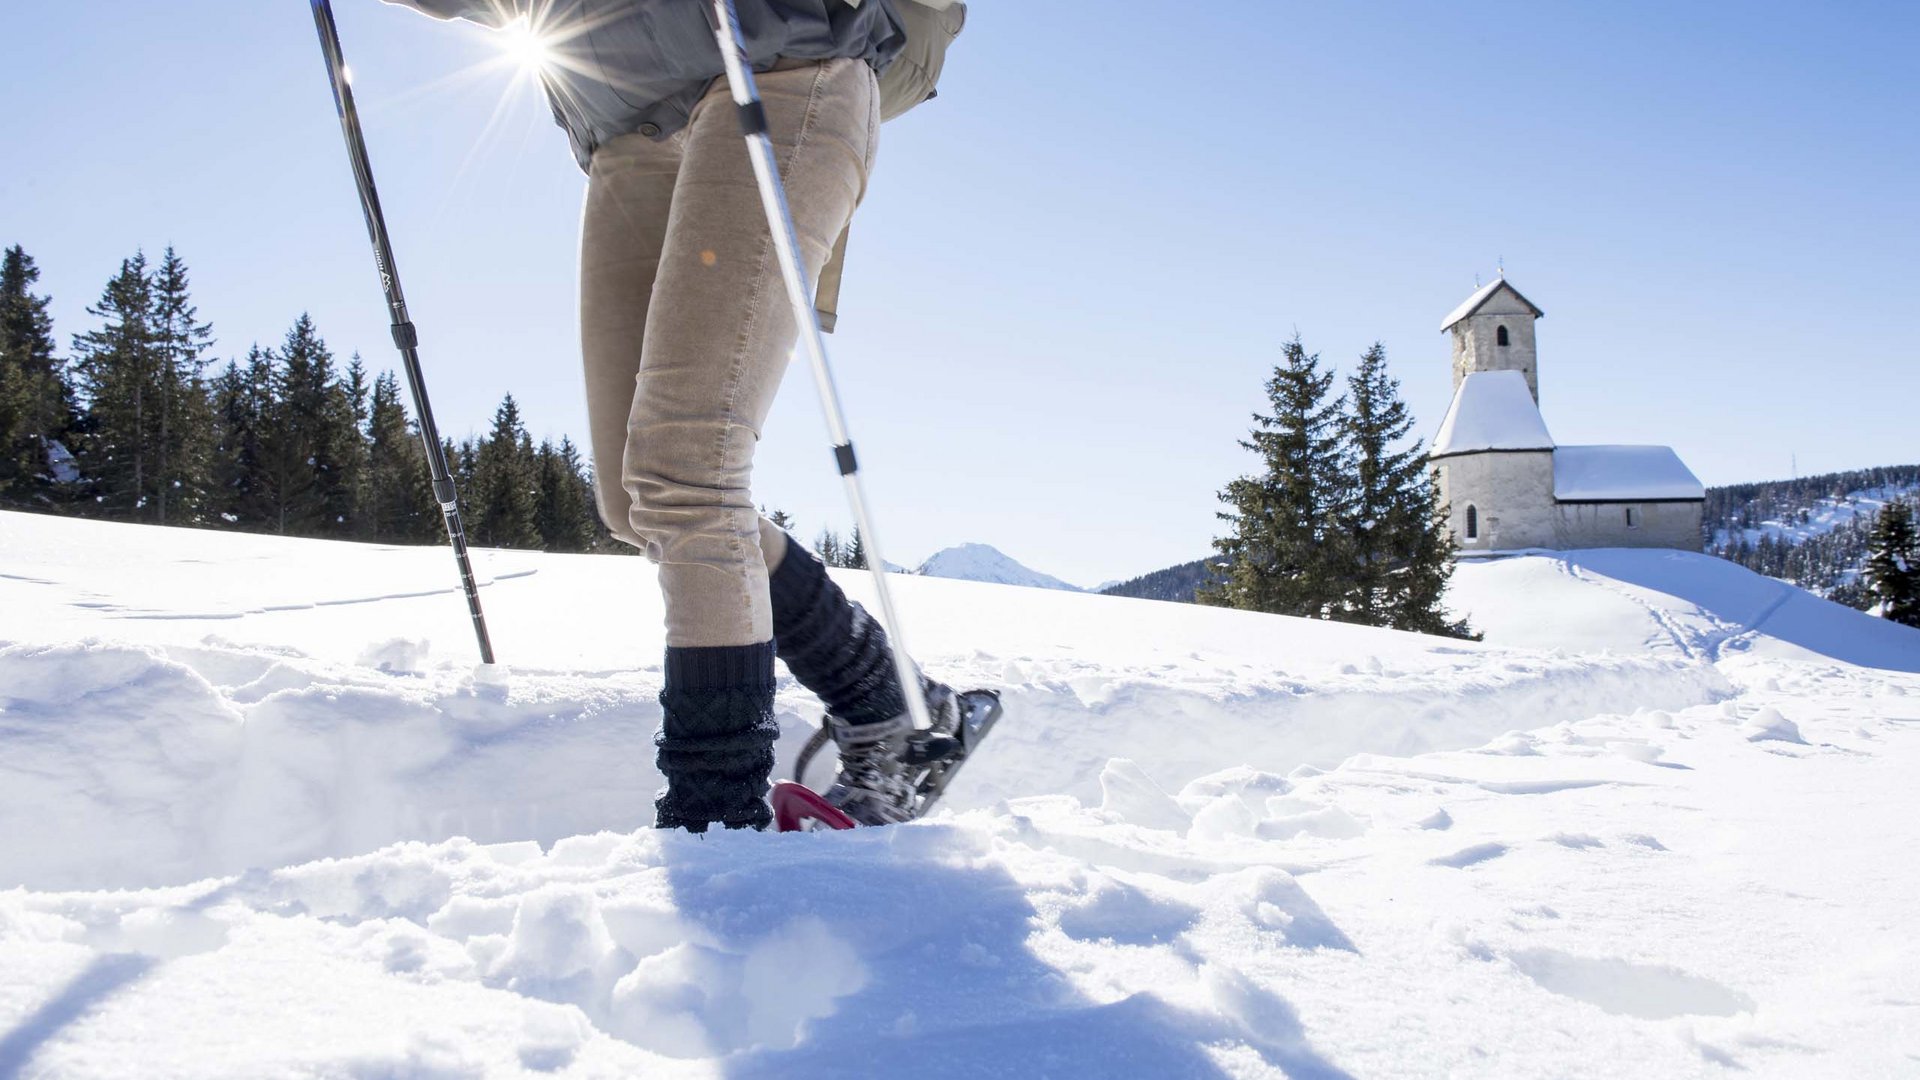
<point>1508,486</point>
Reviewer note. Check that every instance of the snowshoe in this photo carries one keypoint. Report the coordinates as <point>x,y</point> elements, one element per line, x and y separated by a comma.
<point>889,772</point>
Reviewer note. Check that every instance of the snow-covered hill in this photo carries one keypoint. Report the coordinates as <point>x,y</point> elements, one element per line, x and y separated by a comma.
<point>1814,515</point>
<point>260,814</point>
<point>980,562</point>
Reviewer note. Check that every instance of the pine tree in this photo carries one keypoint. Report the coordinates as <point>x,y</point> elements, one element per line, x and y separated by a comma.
<point>400,507</point>
<point>1286,551</point>
<point>1893,565</point>
<point>183,441</point>
<point>855,555</point>
<point>566,517</point>
<point>781,519</point>
<point>356,466</point>
<point>36,401</point>
<point>241,492</point>
<point>1400,550</point>
<point>502,491</point>
<point>296,439</point>
<point>827,546</point>
<point>118,369</point>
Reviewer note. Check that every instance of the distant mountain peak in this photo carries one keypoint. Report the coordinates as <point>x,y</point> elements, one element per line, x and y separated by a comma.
<point>983,562</point>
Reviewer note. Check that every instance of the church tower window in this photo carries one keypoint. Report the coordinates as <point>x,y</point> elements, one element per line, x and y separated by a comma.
<point>1473,523</point>
<point>1500,336</point>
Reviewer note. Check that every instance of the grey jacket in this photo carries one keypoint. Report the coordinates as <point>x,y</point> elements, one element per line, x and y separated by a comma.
<point>626,66</point>
<point>640,66</point>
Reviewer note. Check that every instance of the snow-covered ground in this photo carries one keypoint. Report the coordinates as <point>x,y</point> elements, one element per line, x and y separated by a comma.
<point>260,815</point>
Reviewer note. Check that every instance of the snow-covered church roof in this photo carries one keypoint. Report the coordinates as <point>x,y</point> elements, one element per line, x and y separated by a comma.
<point>1492,410</point>
<point>1622,474</point>
<point>1479,298</point>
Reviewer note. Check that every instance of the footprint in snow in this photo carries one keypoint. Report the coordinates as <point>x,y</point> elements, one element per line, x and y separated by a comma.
<point>1623,989</point>
<point>1470,856</point>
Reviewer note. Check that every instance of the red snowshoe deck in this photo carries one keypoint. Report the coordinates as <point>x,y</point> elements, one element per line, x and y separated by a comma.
<point>799,808</point>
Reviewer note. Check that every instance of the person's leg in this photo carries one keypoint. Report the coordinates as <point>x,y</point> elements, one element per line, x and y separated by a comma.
<point>832,645</point>
<point>717,338</point>
<point>623,226</point>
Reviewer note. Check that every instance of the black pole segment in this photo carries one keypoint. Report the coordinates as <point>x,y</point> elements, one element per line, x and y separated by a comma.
<point>405,338</point>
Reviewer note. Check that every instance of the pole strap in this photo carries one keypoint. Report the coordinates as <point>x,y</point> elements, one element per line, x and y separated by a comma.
<point>843,455</point>
<point>753,118</point>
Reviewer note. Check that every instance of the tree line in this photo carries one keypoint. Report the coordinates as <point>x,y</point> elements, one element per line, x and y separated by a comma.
<point>140,422</point>
<point>1755,525</point>
<point>1343,519</point>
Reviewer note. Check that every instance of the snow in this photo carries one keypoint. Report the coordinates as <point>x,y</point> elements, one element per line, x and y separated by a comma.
<point>1622,474</point>
<point>1668,603</point>
<point>980,562</point>
<point>261,815</point>
<point>1492,410</point>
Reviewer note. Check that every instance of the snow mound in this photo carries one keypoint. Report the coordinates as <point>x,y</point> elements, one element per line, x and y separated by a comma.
<point>979,562</point>
<point>1768,725</point>
<point>1671,603</point>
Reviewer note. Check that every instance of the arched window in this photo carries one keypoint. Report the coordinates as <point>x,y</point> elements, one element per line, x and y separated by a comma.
<point>1500,336</point>
<point>1473,523</point>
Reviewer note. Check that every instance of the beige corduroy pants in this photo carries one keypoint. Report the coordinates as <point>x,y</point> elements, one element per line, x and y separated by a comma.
<point>686,329</point>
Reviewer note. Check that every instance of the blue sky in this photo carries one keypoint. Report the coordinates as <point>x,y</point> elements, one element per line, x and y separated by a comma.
<point>1076,267</point>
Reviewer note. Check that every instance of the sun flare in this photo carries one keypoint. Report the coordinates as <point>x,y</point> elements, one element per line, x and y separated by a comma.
<point>529,50</point>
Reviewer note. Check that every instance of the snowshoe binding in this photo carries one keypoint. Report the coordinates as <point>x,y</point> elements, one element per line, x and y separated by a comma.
<point>890,772</point>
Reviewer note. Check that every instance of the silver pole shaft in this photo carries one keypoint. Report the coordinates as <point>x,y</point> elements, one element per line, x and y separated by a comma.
<point>786,242</point>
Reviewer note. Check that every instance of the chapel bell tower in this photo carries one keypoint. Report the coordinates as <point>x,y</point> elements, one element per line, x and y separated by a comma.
<point>1493,331</point>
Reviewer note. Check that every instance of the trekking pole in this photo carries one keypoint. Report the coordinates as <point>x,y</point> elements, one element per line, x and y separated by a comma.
<point>404,337</point>
<point>773,196</point>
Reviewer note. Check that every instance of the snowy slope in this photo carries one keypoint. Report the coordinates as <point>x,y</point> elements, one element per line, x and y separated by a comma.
<point>980,562</point>
<point>1668,603</point>
<point>1204,844</point>
<point>1824,516</point>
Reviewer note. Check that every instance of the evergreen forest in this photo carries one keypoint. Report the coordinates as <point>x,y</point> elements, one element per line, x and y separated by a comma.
<point>139,421</point>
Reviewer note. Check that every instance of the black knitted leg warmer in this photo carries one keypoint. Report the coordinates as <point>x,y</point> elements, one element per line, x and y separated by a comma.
<point>832,646</point>
<point>716,740</point>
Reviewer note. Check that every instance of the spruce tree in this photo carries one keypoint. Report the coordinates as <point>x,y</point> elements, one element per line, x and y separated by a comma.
<point>118,371</point>
<point>1399,550</point>
<point>827,546</point>
<point>854,557</point>
<point>296,441</point>
<point>566,518</point>
<point>1286,551</point>
<point>502,492</point>
<point>36,401</point>
<point>400,507</point>
<point>1893,565</point>
<point>358,460</point>
<point>241,492</point>
<point>183,439</point>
